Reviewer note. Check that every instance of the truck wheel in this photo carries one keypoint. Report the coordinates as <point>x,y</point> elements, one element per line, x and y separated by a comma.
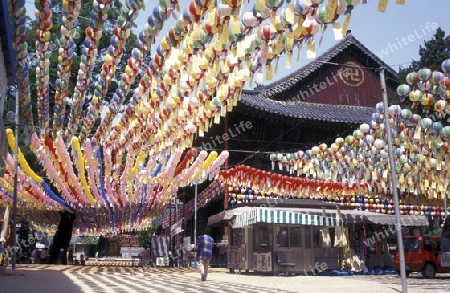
<point>406,273</point>
<point>429,270</point>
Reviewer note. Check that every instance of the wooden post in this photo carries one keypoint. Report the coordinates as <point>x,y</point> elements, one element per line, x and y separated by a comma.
<point>226,195</point>
<point>398,226</point>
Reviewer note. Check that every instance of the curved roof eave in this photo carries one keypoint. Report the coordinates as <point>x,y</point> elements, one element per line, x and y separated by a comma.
<point>289,81</point>
<point>311,111</point>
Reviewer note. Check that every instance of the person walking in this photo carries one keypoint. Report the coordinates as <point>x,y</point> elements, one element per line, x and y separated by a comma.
<point>33,256</point>
<point>204,247</point>
<point>20,256</point>
<point>62,256</point>
<point>70,256</point>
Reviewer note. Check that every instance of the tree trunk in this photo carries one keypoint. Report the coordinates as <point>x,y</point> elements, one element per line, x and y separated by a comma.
<point>61,240</point>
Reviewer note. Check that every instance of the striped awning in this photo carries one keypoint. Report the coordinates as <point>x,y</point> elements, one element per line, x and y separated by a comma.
<point>281,216</point>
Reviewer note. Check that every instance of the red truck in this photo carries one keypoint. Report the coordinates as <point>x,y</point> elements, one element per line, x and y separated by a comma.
<point>422,254</point>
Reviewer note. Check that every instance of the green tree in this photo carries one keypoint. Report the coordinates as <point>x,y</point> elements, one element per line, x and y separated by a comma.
<point>431,55</point>
<point>145,236</point>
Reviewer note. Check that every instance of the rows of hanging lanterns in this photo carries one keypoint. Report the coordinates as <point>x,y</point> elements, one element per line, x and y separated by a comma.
<point>429,88</point>
<point>125,170</point>
<point>239,192</point>
<point>360,160</point>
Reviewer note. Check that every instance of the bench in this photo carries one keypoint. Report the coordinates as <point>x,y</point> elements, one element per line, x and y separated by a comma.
<point>136,260</point>
<point>281,261</point>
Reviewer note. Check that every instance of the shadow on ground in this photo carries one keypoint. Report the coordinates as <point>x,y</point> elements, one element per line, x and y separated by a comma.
<point>26,280</point>
<point>415,281</point>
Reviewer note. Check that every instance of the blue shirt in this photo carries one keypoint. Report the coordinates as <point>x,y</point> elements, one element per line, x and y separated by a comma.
<point>205,246</point>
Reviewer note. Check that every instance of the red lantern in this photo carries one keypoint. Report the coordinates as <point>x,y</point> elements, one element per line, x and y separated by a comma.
<point>194,11</point>
<point>208,29</point>
<point>445,146</point>
<point>267,33</point>
<point>159,60</point>
<point>172,34</point>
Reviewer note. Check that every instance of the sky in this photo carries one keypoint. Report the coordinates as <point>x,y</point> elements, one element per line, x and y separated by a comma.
<point>395,35</point>
<point>386,34</point>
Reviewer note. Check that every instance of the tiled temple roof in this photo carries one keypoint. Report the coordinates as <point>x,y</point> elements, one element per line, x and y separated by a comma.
<point>309,111</point>
<point>289,81</point>
<point>263,98</point>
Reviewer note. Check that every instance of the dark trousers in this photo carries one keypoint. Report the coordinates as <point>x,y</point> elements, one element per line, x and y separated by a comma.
<point>204,264</point>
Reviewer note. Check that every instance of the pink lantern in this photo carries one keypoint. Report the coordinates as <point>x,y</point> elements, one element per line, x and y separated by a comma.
<point>364,128</point>
<point>224,10</point>
<point>379,144</point>
<point>249,20</point>
<point>416,118</point>
<point>425,85</point>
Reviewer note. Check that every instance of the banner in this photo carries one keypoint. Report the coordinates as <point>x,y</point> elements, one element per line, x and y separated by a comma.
<point>160,246</point>
<point>176,228</point>
<point>4,231</point>
<point>3,147</point>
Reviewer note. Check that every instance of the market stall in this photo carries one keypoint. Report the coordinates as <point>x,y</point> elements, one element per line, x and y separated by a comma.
<point>312,234</point>
<point>371,237</point>
<point>257,233</point>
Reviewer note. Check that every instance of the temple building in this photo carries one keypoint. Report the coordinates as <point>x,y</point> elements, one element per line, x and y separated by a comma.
<point>328,98</point>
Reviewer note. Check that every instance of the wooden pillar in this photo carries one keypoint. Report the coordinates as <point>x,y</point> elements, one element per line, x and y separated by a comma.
<point>226,195</point>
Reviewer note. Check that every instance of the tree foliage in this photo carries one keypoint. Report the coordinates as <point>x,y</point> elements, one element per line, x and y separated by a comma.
<point>431,55</point>
<point>145,236</point>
